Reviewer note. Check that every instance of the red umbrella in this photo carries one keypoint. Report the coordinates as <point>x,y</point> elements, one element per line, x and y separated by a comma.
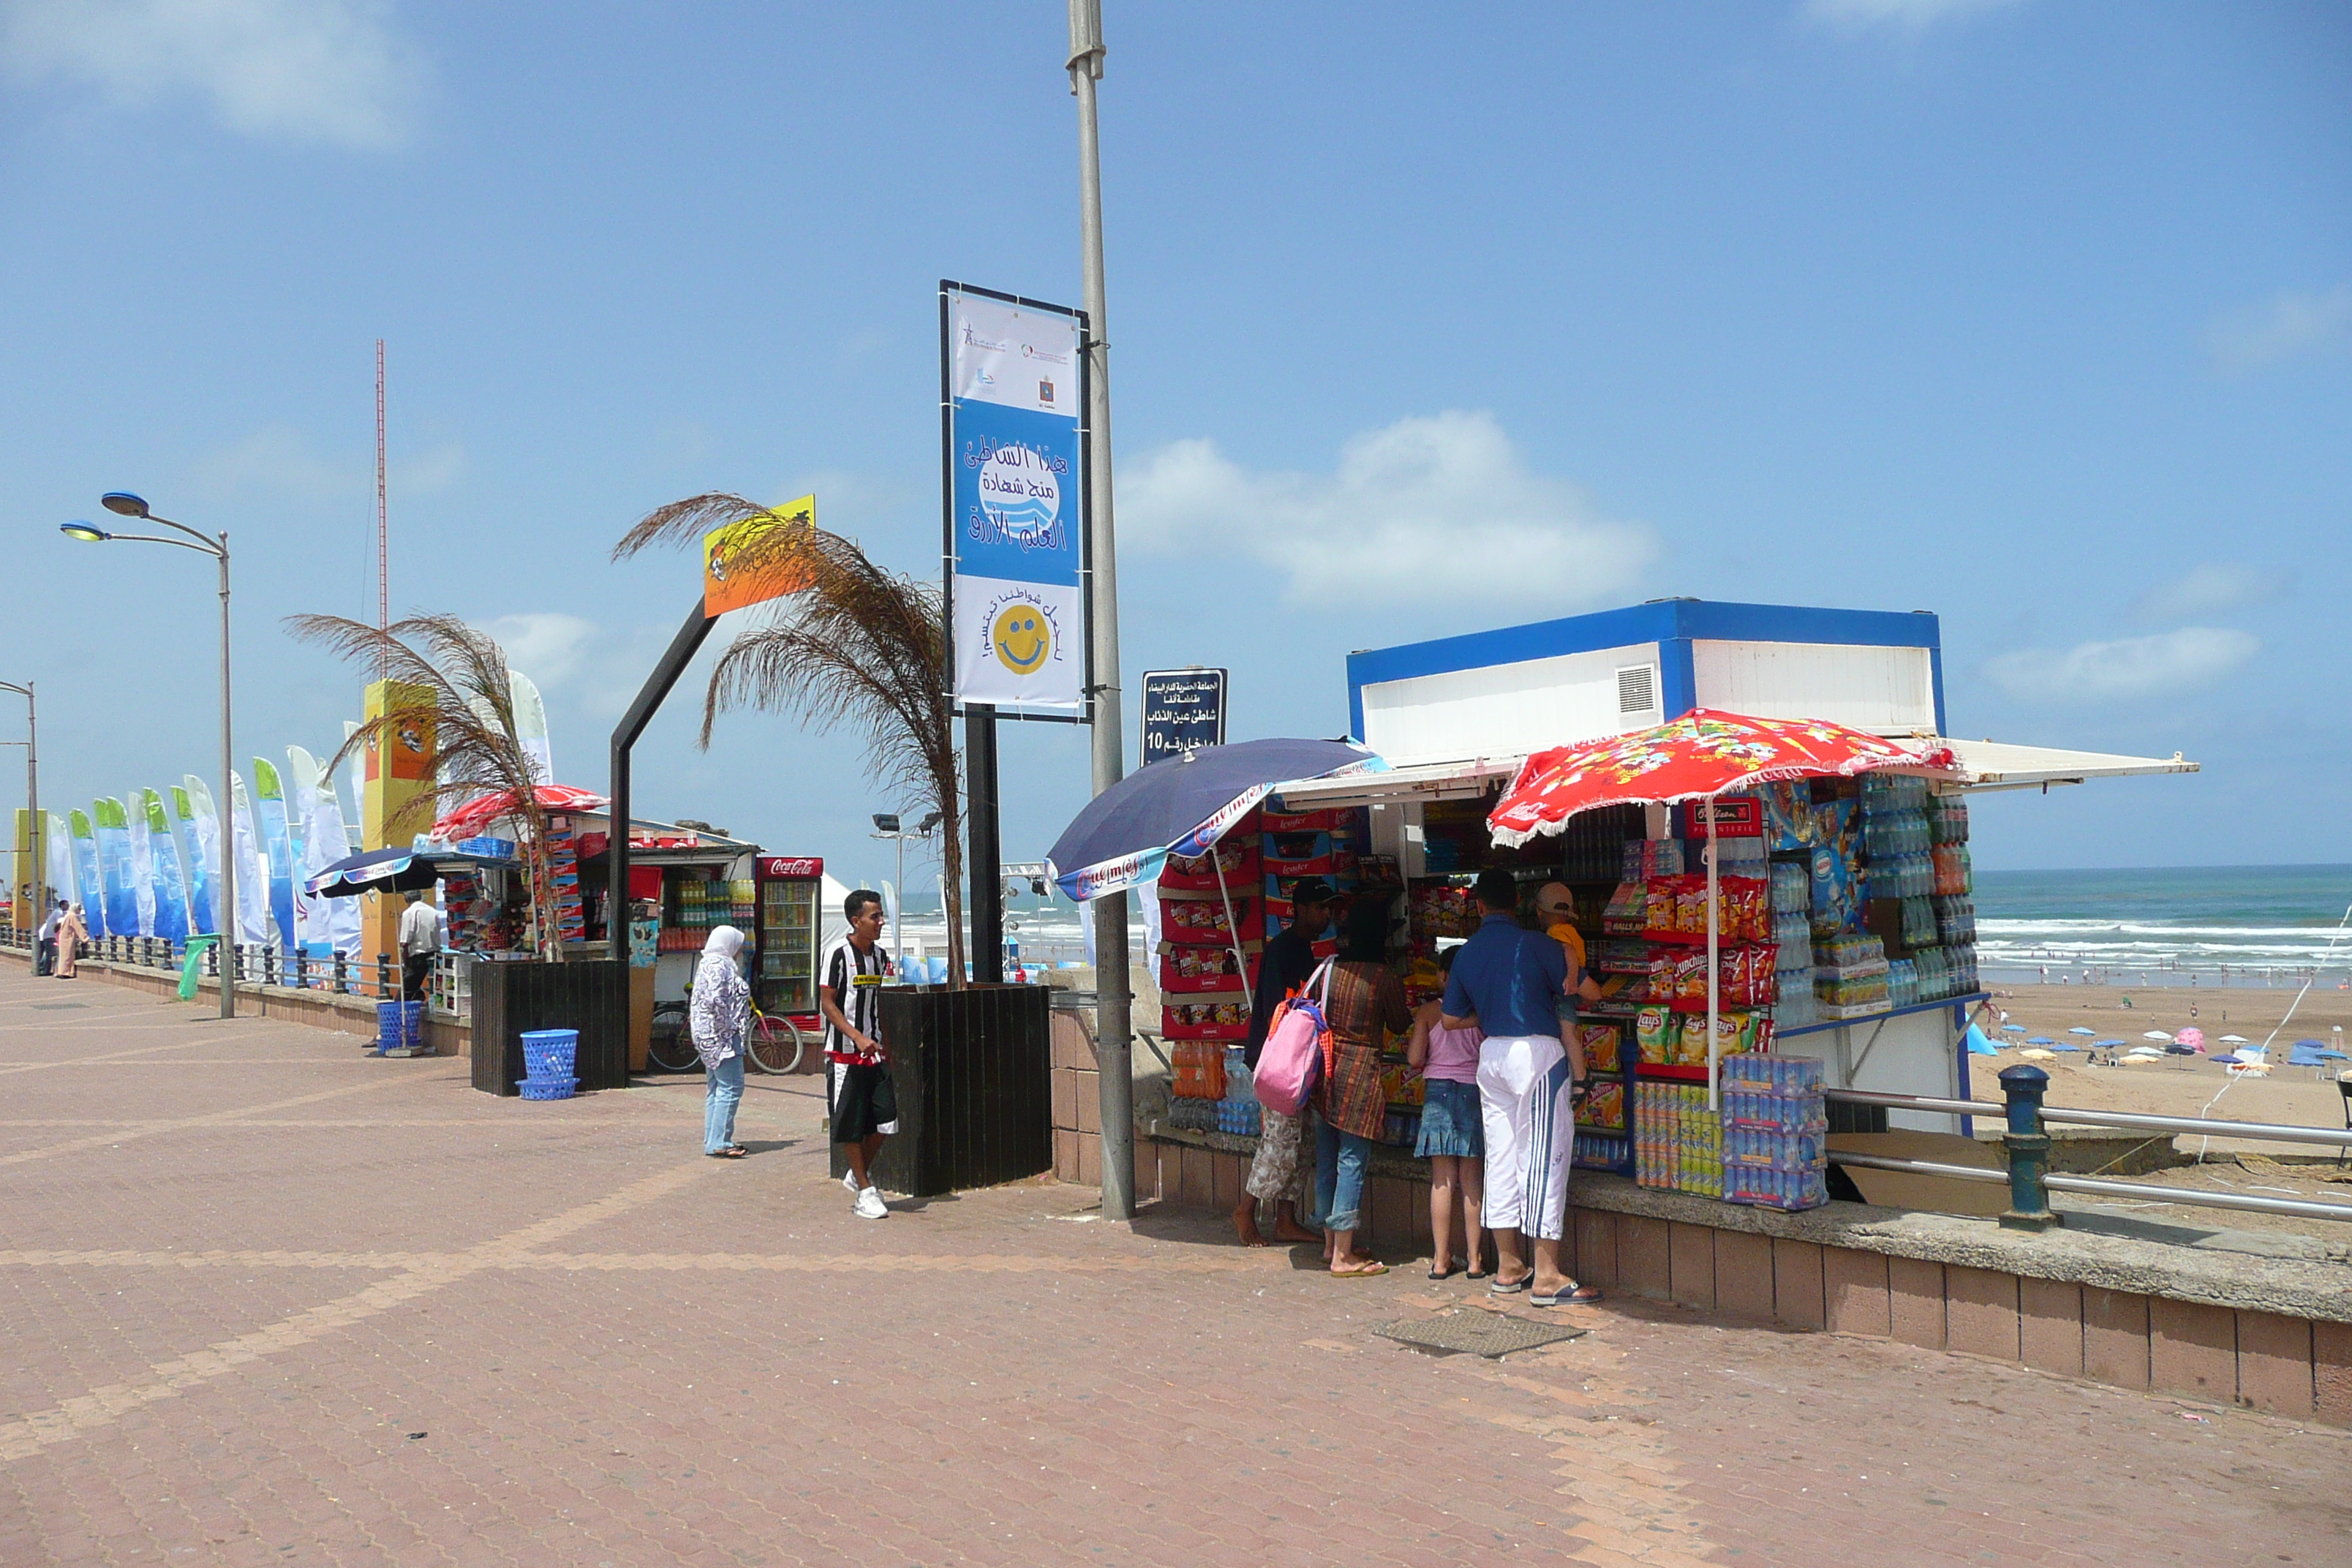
<point>1703,754</point>
<point>478,812</point>
<point>1696,757</point>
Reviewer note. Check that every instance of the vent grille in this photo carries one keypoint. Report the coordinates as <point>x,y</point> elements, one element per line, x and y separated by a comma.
<point>1637,690</point>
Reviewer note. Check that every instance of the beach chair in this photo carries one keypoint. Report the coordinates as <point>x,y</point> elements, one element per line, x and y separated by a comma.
<point>2252,1063</point>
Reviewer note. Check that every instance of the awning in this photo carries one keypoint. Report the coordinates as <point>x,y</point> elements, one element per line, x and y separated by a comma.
<point>1466,780</point>
<point>1997,764</point>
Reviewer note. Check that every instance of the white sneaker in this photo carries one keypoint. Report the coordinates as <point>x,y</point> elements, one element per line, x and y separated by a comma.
<point>871,1206</point>
<point>849,1184</point>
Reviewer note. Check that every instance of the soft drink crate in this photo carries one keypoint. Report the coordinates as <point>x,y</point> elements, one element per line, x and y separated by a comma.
<point>1775,1148</point>
<point>1600,1151</point>
<point>1762,1187</point>
<point>1239,1117</point>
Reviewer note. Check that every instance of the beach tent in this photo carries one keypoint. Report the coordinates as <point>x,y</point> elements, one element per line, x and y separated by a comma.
<point>1979,1046</point>
<point>2311,1054</point>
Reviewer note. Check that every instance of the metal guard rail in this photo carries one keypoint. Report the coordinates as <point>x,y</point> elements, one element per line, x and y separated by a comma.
<point>2026,1147</point>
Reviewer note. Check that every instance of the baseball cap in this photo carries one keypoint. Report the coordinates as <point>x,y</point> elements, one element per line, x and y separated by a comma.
<point>1554,898</point>
<point>1312,890</point>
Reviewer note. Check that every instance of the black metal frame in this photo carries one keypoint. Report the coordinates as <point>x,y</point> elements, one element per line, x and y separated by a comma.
<point>656,690</point>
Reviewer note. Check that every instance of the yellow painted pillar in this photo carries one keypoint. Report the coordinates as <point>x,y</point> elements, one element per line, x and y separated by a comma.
<point>395,773</point>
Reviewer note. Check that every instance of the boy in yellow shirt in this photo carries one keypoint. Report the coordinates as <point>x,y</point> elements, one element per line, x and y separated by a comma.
<point>1556,907</point>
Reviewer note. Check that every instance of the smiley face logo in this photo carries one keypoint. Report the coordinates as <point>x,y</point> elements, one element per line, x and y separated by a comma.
<point>1022,638</point>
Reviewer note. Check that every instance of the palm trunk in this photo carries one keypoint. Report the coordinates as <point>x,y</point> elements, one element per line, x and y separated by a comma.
<point>951,863</point>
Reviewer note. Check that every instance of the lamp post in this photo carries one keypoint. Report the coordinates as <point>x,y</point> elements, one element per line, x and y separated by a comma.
<point>886,826</point>
<point>124,504</point>
<point>33,796</point>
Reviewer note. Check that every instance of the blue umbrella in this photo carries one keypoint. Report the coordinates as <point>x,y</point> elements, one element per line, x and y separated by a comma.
<point>2078,1029</point>
<point>2106,1042</point>
<point>1184,807</point>
<point>374,871</point>
<point>2041,1040</point>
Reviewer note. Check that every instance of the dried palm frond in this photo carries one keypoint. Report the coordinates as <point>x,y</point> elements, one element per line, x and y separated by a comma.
<point>851,646</point>
<point>463,692</point>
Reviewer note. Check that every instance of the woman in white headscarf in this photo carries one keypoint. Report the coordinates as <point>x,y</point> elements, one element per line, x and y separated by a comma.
<point>721,1016</point>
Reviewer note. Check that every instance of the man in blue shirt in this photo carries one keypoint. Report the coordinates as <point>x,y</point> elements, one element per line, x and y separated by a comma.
<point>1508,981</point>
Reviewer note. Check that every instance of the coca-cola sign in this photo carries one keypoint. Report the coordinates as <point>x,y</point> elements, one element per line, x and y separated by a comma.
<point>792,865</point>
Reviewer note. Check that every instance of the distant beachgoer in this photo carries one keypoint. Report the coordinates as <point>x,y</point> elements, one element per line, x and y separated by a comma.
<point>719,1016</point>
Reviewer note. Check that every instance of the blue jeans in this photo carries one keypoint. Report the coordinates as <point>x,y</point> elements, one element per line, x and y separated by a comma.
<point>1340,1159</point>
<point>725,1086</point>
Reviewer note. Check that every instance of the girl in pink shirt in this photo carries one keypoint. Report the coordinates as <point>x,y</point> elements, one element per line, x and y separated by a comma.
<point>1453,1132</point>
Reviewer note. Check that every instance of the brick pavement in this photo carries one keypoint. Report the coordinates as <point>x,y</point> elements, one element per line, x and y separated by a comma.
<point>266,1300</point>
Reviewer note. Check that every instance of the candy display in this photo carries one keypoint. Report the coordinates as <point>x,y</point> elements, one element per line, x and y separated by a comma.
<point>1203,1020</point>
<point>1602,1046</point>
<point>1436,909</point>
<point>1234,862</point>
<point>1604,1108</point>
<point>1198,921</point>
<point>1198,969</point>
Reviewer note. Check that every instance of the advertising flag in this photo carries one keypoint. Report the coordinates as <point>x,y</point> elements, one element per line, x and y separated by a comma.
<point>325,841</point>
<point>143,862</point>
<point>277,842</point>
<point>200,826</point>
<point>62,881</point>
<point>113,836</point>
<point>530,726</point>
<point>1015,499</point>
<point>252,876</point>
<point>85,873</point>
<point>171,887</point>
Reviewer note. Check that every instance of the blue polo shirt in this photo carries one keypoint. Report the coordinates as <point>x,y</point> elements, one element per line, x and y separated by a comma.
<point>1511,977</point>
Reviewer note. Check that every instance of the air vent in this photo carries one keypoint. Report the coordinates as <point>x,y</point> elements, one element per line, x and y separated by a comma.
<point>1637,690</point>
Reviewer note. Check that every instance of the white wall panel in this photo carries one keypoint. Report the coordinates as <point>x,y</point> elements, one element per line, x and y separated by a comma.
<point>1881,691</point>
<point>1506,709</point>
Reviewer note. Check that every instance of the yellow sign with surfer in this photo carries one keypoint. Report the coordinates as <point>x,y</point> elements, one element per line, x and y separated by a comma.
<point>751,561</point>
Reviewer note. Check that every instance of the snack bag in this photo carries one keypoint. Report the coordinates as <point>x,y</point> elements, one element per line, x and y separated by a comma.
<point>1651,1027</point>
<point>1601,1047</point>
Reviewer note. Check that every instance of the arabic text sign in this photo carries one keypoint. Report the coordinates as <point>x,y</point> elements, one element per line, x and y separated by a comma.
<point>1182,710</point>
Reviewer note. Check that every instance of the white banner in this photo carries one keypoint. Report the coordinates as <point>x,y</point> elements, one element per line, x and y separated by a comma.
<point>1018,644</point>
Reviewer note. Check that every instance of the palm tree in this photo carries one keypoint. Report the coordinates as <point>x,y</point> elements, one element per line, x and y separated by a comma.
<point>460,687</point>
<point>853,645</point>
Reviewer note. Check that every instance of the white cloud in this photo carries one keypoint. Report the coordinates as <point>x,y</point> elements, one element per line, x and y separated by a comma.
<point>1427,509</point>
<point>546,645</point>
<point>308,71</point>
<point>279,460</point>
<point>2207,589</point>
<point>2288,325</point>
<point>1907,15</point>
<point>2162,665</point>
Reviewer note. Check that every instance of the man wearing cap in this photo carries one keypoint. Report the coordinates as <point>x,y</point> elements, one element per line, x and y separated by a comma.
<point>1512,980</point>
<point>1275,1174</point>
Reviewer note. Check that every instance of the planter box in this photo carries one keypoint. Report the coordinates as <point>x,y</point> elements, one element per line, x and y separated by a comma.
<point>974,1072</point>
<point>591,995</point>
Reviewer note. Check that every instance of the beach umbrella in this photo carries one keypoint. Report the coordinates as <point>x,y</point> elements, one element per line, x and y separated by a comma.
<point>470,819</point>
<point>2012,1028</point>
<point>2078,1029</point>
<point>375,871</point>
<point>2157,1034</point>
<point>2190,1039</point>
<point>2105,1043</point>
<point>2235,1040</point>
<point>1182,807</point>
<point>2041,1040</point>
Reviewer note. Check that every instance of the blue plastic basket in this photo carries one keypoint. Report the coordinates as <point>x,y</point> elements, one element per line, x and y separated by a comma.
<point>399,1023</point>
<point>547,1087</point>
<point>549,1053</point>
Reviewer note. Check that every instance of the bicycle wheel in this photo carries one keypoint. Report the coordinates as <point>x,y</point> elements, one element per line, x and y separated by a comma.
<point>672,1050</point>
<point>776,1043</point>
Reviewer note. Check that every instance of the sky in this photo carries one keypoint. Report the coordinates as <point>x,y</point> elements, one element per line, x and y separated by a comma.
<point>1423,319</point>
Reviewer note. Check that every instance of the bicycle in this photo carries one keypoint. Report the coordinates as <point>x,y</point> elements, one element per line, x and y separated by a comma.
<point>774,1044</point>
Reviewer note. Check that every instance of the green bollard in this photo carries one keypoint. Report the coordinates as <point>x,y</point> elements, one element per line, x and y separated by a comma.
<point>2029,1151</point>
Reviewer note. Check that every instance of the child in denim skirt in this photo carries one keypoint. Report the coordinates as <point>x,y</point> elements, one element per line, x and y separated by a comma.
<point>1452,1134</point>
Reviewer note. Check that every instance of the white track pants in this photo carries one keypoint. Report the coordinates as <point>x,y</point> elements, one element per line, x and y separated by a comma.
<point>1523,1091</point>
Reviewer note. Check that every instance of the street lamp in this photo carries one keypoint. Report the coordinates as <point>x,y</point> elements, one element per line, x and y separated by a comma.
<point>122,503</point>
<point>33,795</point>
<point>886,826</point>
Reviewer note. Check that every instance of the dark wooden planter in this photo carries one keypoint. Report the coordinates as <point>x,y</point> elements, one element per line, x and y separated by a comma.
<point>974,1070</point>
<point>591,995</point>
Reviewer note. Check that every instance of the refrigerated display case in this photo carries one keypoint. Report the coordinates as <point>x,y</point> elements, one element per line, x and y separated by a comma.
<point>791,887</point>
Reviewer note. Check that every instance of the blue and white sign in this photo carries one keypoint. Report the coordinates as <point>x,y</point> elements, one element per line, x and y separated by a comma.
<point>1016,485</point>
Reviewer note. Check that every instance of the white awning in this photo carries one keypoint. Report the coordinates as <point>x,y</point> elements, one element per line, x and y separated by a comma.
<point>1463,780</point>
<point>1996,764</point>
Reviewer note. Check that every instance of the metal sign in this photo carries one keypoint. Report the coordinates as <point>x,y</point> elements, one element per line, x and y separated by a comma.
<point>745,563</point>
<point>1012,400</point>
<point>1182,710</point>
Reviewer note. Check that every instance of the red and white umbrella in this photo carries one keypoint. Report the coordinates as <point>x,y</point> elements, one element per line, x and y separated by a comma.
<point>469,820</point>
<point>1704,753</point>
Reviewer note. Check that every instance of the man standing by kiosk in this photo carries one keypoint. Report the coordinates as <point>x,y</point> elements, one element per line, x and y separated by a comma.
<point>1510,981</point>
<point>864,1102</point>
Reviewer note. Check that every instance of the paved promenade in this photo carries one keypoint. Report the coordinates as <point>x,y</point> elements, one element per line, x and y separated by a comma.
<point>266,1300</point>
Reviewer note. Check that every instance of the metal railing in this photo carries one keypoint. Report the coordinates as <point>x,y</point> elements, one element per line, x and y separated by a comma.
<point>2026,1145</point>
<point>257,965</point>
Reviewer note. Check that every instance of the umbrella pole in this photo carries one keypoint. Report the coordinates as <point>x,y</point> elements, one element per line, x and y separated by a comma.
<point>1233,933</point>
<point>1714,973</point>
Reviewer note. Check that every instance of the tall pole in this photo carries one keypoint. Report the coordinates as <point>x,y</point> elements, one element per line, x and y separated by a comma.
<point>227,946</point>
<point>986,844</point>
<point>383,537</point>
<point>1112,990</point>
<point>37,892</point>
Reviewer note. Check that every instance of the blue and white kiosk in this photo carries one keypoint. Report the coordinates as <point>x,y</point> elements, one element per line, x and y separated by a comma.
<point>1457,716</point>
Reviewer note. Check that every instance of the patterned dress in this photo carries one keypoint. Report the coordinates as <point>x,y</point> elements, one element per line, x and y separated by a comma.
<point>1367,1004</point>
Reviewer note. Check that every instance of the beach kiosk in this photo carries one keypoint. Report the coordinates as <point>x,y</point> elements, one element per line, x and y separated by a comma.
<point>1457,717</point>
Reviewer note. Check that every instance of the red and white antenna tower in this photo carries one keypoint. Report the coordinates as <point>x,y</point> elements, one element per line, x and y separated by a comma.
<point>382,547</point>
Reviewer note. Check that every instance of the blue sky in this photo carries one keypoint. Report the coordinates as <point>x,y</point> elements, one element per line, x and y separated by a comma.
<point>2036,315</point>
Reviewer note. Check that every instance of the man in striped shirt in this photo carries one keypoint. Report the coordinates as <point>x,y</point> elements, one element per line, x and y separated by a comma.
<point>863,1103</point>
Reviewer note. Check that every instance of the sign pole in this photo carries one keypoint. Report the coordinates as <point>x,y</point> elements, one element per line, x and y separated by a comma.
<point>1113,999</point>
<point>985,847</point>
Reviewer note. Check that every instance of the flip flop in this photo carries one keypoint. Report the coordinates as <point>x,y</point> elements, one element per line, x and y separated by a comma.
<point>1441,1274</point>
<point>1575,1295</point>
<point>1509,1286</point>
<point>1365,1273</point>
<point>726,1153</point>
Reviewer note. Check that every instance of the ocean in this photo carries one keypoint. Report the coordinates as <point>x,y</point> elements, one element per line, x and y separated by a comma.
<point>2203,921</point>
<point>2261,922</point>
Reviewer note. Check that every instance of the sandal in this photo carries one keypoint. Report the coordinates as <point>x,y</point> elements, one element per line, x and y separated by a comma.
<point>726,1153</point>
<point>1568,1295</point>
<point>1441,1274</point>
<point>1366,1272</point>
<point>1511,1287</point>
